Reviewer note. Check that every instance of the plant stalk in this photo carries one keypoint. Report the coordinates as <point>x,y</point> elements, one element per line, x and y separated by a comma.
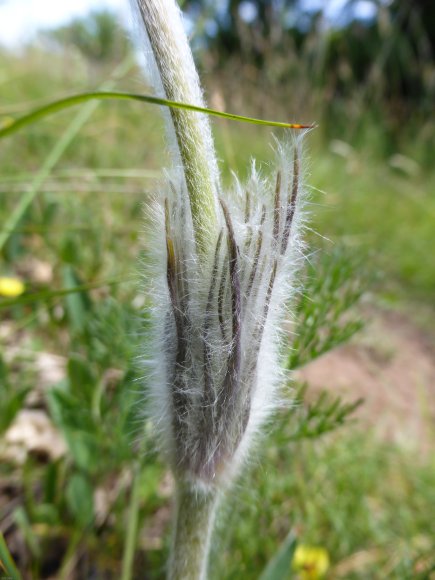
<point>194,518</point>
<point>180,82</point>
<point>132,528</point>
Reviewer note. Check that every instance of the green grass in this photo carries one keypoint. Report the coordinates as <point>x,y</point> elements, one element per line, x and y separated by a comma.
<point>381,211</point>
<point>368,503</point>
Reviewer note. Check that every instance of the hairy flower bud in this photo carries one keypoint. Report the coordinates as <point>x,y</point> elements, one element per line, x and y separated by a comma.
<point>220,269</point>
<point>217,321</point>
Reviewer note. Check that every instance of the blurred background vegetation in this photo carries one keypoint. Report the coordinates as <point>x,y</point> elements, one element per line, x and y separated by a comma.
<point>72,192</point>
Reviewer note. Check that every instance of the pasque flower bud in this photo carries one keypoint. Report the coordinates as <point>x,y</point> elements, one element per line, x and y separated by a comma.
<point>220,270</point>
<point>217,320</point>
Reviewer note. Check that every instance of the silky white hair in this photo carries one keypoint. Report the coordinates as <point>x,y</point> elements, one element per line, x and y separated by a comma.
<point>213,368</point>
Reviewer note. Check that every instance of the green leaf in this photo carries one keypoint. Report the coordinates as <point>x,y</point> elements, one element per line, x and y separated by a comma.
<point>81,377</point>
<point>7,564</point>
<point>3,371</point>
<point>334,285</point>
<point>73,100</point>
<point>46,513</point>
<point>31,539</point>
<point>279,567</point>
<point>84,449</point>
<point>69,251</point>
<point>64,409</point>
<point>325,414</point>
<point>11,397</point>
<point>50,482</point>
<point>76,424</point>
<point>77,304</point>
<point>80,499</point>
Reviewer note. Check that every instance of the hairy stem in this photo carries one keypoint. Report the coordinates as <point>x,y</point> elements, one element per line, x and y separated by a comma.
<point>181,83</point>
<point>194,517</point>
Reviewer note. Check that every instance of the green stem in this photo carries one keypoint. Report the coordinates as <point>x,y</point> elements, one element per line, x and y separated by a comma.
<point>132,527</point>
<point>180,82</point>
<point>194,518</point>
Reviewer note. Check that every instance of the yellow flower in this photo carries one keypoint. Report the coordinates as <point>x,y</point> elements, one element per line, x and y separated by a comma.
<point>310,562</point>
<point>11,287</point>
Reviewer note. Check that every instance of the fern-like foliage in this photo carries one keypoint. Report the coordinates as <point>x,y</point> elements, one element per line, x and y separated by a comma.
<point>326,413</point>
<point>334,284</point>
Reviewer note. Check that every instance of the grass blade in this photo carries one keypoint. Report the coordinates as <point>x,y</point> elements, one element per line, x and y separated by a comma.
<point>81,98</point>
<point>6,562</point>
<point>279,566</point>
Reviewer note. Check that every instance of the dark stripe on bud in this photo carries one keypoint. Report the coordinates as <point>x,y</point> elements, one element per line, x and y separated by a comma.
<point>291,203</point>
